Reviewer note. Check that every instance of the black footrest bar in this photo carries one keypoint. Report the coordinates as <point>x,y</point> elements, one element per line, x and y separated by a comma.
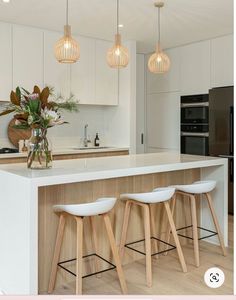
<point>60,264</point>
<point>143,253</point>
<point>213,233</point>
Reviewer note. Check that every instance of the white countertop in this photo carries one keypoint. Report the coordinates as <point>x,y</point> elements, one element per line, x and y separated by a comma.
<point>78,170</point>
<point>71,150</point>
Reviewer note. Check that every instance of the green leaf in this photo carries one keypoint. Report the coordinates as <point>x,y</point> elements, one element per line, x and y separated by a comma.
<point>18,93</point>
<point>35,106</point>
<point>36,90</point>
<point>6,112</point>
<point>27,92</point>
<point>14,99</point>
<point>21,126</point>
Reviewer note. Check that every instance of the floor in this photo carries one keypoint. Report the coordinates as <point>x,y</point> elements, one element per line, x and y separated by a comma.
<point>168,278</point>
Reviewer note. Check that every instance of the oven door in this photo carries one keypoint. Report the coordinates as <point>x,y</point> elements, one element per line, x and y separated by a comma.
<point>195,143</point>
<point>192,114</point>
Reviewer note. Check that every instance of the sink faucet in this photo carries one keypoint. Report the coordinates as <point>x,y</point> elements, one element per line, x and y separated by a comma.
<point>86,135</point>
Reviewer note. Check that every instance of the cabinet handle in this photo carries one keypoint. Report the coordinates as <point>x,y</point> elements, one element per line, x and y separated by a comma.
<point>142,139</point>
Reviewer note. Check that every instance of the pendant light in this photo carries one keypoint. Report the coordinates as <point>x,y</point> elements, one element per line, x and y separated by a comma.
<point>159,62</point>
<point>67,50</point>
<point>118,55</point>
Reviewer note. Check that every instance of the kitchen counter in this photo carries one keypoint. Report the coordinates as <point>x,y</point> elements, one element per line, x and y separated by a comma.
<point>28,224</point>
<point>67,151</point>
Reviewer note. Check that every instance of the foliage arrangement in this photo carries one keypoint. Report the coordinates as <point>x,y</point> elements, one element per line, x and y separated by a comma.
<point>35,110</point>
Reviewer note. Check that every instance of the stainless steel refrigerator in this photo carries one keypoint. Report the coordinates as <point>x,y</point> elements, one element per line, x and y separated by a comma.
<point>221,120</point>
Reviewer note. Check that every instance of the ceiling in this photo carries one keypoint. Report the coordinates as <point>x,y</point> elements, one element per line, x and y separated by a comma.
<point>183,21</point>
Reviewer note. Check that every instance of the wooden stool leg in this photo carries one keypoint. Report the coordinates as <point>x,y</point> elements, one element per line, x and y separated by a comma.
<point>175,236</point>
<point>217,226</point>
<point>124,228</point>
<point>148,245</point>
<point>173,203</point>
<point>153,232</point>
<point>57,250</point>
<point>195,230</point>
<point>79,255</point>
<point>95,246</point>
<point>115,253</point>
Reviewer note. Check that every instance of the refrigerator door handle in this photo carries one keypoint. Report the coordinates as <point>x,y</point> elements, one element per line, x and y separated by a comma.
<point>231,130</point>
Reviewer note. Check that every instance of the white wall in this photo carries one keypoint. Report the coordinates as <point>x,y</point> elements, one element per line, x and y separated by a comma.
<point>68,134</point>
<point>195,68</point>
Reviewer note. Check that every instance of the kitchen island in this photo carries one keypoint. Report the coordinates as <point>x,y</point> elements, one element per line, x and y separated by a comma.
<point>28,224</point>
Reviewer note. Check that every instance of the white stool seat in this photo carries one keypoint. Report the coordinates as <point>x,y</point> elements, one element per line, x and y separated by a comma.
<point>100,206</point>
<point>156,196</point>
<point>198,187</point>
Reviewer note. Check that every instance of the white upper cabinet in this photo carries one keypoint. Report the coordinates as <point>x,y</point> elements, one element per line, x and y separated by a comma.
<point>106,78</point>
<point>5,61</point>
<point>195,68</point>
<point>83,72</point>
<point>222,61</point>
<point>168,82</point>
<point>56,75</point>
<point>27,57</point>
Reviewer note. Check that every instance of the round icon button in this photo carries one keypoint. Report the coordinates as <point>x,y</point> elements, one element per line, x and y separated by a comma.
<point>214,278</point>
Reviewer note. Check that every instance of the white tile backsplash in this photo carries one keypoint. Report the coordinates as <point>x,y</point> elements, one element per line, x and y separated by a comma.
<point>68,135</point>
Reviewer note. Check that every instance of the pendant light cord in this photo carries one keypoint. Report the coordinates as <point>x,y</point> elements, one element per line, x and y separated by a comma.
<point>159,25</point>
<point>67,12</point>
<point>118,16</point>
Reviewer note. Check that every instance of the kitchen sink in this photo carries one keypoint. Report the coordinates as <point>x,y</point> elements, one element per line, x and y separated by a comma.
<point>91,148</point>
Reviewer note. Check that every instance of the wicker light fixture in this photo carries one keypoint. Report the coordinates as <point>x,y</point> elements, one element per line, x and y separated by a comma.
<point>118,55</point>
<point>159,62</point>
<point>67,50</point>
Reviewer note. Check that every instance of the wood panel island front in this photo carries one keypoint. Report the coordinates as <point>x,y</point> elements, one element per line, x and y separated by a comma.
<point>28,223</point>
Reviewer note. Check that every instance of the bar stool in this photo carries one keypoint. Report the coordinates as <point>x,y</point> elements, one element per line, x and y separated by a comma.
<point>78,211</point>
<point>191,190</point>
<point>159,195</point>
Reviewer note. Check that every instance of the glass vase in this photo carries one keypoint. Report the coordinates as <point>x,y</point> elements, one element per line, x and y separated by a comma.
<point>39,150</point>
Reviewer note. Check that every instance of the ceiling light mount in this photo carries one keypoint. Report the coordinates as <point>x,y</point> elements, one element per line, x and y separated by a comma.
<point>159,4</point>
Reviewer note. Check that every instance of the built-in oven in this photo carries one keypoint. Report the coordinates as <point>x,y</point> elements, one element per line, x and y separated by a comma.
<point>195,109</point>
<point>195,124</point>
<point>195,143</point>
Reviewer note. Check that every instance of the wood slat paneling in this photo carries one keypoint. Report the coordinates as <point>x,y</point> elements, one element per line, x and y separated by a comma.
<point>89,191</point>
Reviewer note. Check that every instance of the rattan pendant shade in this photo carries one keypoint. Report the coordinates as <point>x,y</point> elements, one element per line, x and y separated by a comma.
<point>67,50</point>
<point>159,61</point>
<point>118,55</point>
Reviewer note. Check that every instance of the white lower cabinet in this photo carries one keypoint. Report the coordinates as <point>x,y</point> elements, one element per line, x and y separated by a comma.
<point>27,57</point>
<point>55,74</point>
<point>163,119</point>
<point>106,78</point>
<point>5,61</point>
<point>222,61</point>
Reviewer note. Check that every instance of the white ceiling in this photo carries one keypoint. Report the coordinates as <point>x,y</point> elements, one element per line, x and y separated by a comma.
<point>183,21</point>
